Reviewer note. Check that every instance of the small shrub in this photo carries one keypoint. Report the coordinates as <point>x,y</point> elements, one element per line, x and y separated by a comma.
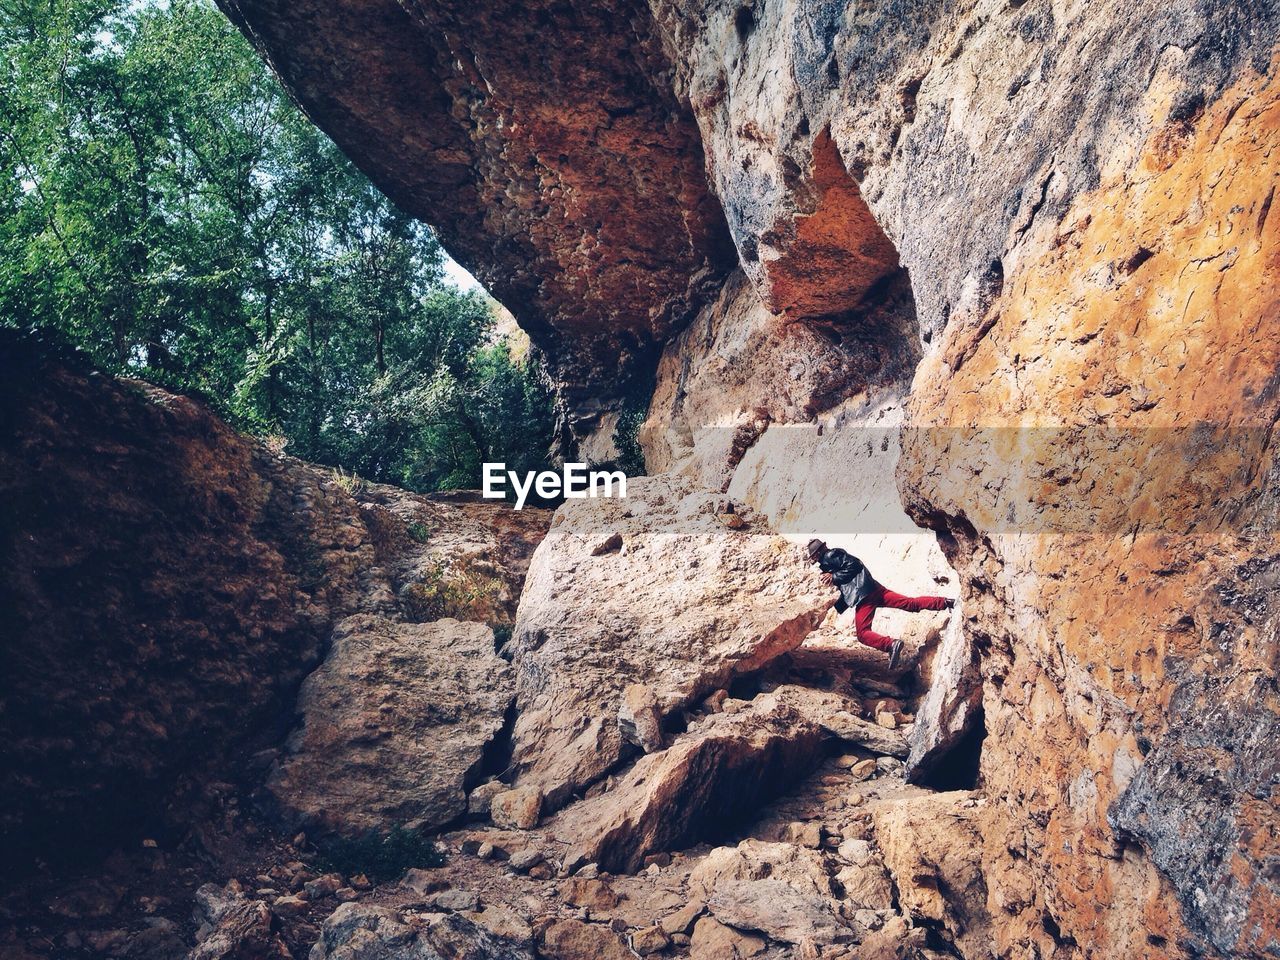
<point>419,532</point>
<point>348,481</point>
<point>379,856</point>
<point>501,634</point>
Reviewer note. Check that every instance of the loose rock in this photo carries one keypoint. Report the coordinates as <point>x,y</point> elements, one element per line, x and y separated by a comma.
<point>520,808</point>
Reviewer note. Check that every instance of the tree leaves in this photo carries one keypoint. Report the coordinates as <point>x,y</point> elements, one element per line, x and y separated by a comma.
<point>165,206</point>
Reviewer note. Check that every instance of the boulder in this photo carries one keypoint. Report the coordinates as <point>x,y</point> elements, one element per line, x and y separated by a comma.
<point>838,715</point>
<point>456,900</point>
<point>705,779</point>
<point>381,933</point>
<point>712,940</point>
<point>393,724</point>
<point>649,940</point>
<point>866,886</point>
<point>480,800</point>
<point>591,892</point>
<point>322,886</point>
<point>290,905</point>
<point>503,922</point>
<point>523,861</point>
<point>640,718</point>
<point>575,940</point>
<point>234,927</point>
<point>520,808</point>
<point>863,769</point>
<point>781,889</point>
<point>932,845</point>
<point>683,607</point>
<point>682,920</point>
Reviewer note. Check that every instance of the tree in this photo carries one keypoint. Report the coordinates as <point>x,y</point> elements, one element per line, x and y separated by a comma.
<point>167,208</point>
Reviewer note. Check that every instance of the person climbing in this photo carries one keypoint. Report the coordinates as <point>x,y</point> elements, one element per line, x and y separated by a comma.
<point>860,590</point>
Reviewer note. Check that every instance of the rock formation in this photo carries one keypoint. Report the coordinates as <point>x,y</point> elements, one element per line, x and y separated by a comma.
<point>168,584</point>
<point>984,292</point>
<point>709,779</point>
<point>570,192</point>
<point>652,590</point>
<point>1030,246</point>
<point>395,724</point>
<point>354,930</point>
<point>952,708</point>
<point>159,609</point>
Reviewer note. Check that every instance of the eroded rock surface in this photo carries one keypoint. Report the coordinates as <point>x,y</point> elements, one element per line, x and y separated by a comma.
<point>932,846</point>
<point>708,779</point>
<point>378,933</point>
<point>167,584</point>
<point>1023,256</point>
<point>780,889</point>
<point>652,590</point>
<point>170,582</point>
<point>951,710</point>
<point>589,215</point>
<point>394,726</point>
<point>1122,599</point>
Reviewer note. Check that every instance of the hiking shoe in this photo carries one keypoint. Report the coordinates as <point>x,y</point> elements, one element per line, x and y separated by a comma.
<point>895,653</point>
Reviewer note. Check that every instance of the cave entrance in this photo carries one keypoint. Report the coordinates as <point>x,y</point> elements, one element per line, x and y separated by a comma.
<point>960,767</point>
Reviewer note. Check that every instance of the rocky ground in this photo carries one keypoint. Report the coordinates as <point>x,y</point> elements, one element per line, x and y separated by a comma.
<point>633,728</point>
<point>831,866</point>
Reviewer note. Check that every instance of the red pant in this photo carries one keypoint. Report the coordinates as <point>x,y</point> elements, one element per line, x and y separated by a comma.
<point>881,597</point>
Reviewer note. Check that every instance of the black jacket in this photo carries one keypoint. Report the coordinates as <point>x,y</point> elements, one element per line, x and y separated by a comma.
<point>849,574</point>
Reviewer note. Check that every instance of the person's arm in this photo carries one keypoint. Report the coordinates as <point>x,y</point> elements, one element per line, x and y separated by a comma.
<point>824,564</point>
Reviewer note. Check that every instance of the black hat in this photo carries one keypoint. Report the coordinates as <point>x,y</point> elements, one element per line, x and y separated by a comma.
<point>815,547</point>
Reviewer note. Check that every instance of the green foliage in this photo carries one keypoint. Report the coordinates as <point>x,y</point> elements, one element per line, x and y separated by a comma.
<point>626,437</point>
<point>167,208</point>
<point>501,634</point>
<point>380,856</point>
<point>419,532</point>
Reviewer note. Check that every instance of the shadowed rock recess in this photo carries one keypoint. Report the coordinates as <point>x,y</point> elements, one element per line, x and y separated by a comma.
<point>985,292</point>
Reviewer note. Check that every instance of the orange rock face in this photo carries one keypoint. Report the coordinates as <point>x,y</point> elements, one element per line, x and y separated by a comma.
<point>572,184</point>
<point>1130,696</point>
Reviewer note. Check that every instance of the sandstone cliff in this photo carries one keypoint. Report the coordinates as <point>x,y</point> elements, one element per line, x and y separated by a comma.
<point>168,583</point>
<point>983,291</point>
<point>1029,245</point>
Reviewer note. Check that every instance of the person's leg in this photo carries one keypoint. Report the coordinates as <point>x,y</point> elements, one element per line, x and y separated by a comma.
<point>862,618</point>
<point>912,604</point>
